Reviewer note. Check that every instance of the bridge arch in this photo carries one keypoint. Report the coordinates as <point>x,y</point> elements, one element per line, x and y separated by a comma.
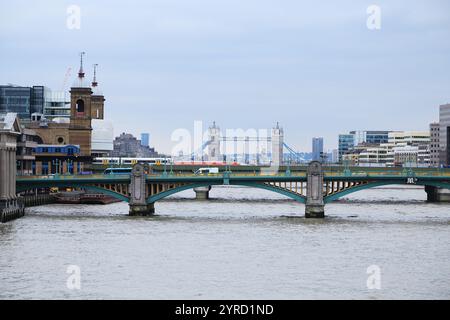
<point>340,194</point>
<point>81,186</point>
<point>164,194</point>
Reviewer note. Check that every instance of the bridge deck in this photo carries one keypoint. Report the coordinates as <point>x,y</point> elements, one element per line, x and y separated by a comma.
<point>298,176</point>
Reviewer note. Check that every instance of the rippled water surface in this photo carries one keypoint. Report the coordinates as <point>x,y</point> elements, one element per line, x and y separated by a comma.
<point>242,244</point>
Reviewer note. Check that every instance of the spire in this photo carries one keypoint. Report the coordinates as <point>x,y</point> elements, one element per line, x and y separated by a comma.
<point>81,72</point>
<point>94,81</point>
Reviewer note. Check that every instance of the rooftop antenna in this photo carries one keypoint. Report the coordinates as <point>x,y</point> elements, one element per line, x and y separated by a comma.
<point>81,72</point>
<point>94,82</point>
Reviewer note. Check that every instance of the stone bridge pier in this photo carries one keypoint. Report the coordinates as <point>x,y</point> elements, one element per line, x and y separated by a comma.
<point>436,194</point>
<point>138,196</point>
<point>315,206</point>
<point>202,193</point>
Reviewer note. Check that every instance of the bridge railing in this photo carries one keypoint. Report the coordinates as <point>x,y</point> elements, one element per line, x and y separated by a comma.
<point>73,177</point>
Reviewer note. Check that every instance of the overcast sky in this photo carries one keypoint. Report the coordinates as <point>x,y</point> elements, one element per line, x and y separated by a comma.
<point>313,66</point>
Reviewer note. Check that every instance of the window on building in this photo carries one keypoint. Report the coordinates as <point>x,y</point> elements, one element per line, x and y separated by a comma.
<point>80,106</point>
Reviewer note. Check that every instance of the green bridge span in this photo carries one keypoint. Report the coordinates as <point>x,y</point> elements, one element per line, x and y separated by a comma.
<point>315,187</point>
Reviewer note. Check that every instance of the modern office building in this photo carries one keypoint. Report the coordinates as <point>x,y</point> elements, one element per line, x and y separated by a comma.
<point>434,144</point>
<point>345,144</point>
<point>374,148</point>
<point>370,136</point>
<point>357,137</point>
<point>444,134</point>
<point>26,101</point>
<point>145,139</point>
<point>17,100</point>
<point>400,144</point>
<point>375,155</point>
<point>317,149</point>
<point>409,137</point>
<point>56,105</point>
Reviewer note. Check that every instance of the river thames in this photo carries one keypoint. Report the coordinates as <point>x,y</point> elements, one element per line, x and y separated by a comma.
<point>242,244</point>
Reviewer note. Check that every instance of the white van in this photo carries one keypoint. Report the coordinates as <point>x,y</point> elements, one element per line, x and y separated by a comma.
<point>213,170</point>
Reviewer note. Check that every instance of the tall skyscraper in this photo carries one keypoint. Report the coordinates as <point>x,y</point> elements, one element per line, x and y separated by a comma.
<point>145,139</point>
<point>317,149</point>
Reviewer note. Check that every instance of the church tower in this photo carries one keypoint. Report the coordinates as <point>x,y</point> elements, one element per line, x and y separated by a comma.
<point>97,100</point>
<point>81,113</point>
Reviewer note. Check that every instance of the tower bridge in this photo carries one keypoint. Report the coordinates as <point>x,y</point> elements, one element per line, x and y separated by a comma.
<point>314,188</point>
<point>217,146</point>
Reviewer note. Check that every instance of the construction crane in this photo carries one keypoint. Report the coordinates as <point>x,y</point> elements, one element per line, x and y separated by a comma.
<point>66,77</point>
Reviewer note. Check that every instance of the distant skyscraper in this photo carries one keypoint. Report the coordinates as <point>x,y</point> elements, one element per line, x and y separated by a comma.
<point>145,139</point>
<point>317,149</point>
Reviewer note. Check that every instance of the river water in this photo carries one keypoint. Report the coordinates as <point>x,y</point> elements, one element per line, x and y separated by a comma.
<point>242,244</point>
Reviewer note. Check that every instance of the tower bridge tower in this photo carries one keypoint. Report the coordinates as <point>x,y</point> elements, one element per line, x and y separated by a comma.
<point>214,145</point>
<point>277,145</point>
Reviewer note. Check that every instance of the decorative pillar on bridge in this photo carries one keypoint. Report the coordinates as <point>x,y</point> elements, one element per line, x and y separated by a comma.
<point>202,193</point>
<point>314,194</point>
<point>138,194</point>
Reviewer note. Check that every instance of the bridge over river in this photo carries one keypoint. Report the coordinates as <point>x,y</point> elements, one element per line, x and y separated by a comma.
<point>314,187</point>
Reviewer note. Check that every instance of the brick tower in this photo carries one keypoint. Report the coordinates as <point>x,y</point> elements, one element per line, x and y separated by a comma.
<point>81,114</point>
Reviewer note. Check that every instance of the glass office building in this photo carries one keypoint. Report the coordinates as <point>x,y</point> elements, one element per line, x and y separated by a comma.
<point>377,137</point>
<point>346,143</point>
<point>57,105</point>
<point>370,137</point>
<point>16,99</point>
<point>37,99</point>
<point>39,95</point>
